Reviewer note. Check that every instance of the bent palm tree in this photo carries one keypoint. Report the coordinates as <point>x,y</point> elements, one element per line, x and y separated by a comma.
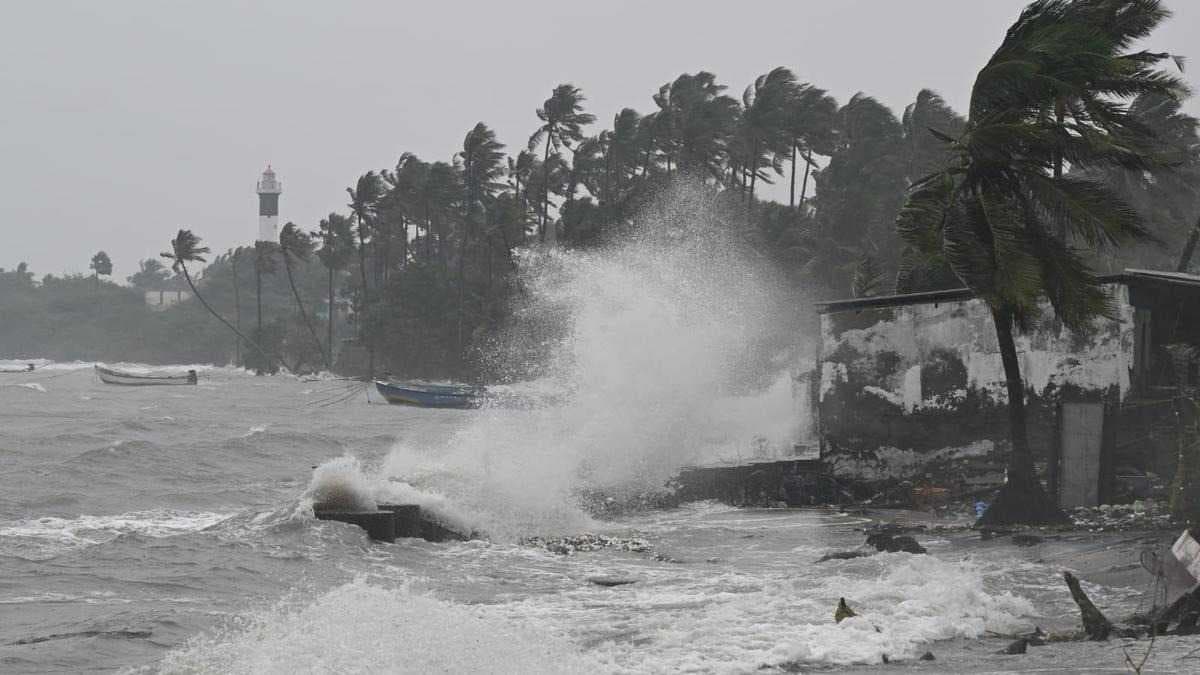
<point>563,118</point>
<point>337,248</point>
<point>363,198</point>
<point>295,244</point>
<point>995,214</point>
<point>186,248</point>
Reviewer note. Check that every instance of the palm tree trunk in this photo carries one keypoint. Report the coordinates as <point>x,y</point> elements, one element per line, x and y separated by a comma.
<point>258,303</point>
<point>753,171</point>
<point>329,341</point>
<point>1021,499</point>
<point>1185,258</point>
<point>804,185</point>
<point>363,320</point>
<point>252,343</point>
<point>792,190</point>
<point>1021,463</point>
<point>1059,116</point>
<point>287,266</point>
<point>237,308</point>
<point>545,191</point>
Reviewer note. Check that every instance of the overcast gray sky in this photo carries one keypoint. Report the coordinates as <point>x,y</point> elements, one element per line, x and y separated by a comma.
<point>123,120</point>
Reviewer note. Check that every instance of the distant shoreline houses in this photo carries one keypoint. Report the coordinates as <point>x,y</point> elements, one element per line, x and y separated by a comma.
<point>164,298</point>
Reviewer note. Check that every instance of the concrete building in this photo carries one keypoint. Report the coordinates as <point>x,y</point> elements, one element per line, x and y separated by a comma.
<point>911,388</point>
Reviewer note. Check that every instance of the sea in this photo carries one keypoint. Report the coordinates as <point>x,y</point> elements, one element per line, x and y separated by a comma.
<point>171,529</point>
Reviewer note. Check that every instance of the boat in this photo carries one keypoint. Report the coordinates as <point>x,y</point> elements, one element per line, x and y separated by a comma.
<point>110,376</point>
<point>428,395</point>
<point>9,371</point>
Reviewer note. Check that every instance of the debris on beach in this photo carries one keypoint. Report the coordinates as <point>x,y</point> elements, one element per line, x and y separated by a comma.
<point>1140,515</point>
<point>843,611</point>
<point>1095,624</point>
<point>587,542</point>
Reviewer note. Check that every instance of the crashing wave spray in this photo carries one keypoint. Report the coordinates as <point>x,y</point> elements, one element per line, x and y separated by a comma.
<point>653,348</point>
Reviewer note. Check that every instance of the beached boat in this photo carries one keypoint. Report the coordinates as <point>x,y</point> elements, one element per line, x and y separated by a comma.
<point>426,395</point>
<point>110,376</point>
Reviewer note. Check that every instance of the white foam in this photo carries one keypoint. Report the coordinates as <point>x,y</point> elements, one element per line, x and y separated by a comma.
<point>32,386</point>
<point>362,628</point>
<point>48,536</point>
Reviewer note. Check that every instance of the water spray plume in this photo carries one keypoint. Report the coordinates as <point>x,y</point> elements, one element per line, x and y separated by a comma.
<point>647,344</point>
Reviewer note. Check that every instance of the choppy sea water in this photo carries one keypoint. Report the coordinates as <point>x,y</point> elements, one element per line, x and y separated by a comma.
<point>167,529</point>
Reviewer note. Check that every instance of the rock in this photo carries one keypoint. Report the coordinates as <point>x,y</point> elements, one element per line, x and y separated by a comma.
<point>1017,647</point>
<point>609,582</point>
<point>1026,539</point>
<point>885,542</point>
<point>842,555</point>
<point>928,656</point>
<point>843,611</point>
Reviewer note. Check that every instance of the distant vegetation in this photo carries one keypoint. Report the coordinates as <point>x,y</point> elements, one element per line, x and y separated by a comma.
<point>422,264</point>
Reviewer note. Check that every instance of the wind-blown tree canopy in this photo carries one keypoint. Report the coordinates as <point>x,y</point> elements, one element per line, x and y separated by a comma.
<point>364,197</point>
<point>101,264</point>
<point>693,124</point>
<point>335,253</point>
<point>296,245</point>
<point>763,137</point>
<point>151,275</point>
<point>186,248</point>
<point>563,120</point>
<point>811,126</point>
<point>997,214</point>
<point>860,193</point>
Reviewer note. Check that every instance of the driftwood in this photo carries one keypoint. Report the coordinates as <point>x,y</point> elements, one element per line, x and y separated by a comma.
<point>1095,624</point>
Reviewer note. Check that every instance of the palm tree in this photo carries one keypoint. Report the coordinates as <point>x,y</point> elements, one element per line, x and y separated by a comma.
<point>264,264</point>
<point>101,266</point>
<point>762,132</point>
<point>337,248</point>
<point>482,165</point>
<point>811,126</point>
<point>364,196</point>
<point>186,248</point>
<point>295,244</point>
<point>994,215</point>
<point>694,124</point>
<point>234,258</point>
<point>562,119</point>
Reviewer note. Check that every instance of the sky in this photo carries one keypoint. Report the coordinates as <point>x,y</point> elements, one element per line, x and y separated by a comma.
<point>122,121</point>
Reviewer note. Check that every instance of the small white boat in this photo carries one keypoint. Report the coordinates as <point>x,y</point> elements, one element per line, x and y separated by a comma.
<point>110,376</point>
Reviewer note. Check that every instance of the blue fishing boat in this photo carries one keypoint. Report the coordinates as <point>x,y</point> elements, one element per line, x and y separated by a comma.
<point>428,395</point>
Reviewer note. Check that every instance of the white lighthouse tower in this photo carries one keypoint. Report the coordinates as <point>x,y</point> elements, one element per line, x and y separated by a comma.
<point>268,206</point>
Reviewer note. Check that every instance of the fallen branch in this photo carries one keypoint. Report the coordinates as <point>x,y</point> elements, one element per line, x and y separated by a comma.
<point>1095,624</point>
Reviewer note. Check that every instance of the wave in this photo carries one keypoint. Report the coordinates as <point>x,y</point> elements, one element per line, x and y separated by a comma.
<point>46,537</point>
<point>359,627</point>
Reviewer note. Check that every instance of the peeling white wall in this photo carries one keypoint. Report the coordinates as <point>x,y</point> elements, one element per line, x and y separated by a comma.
<point>1049,353</point>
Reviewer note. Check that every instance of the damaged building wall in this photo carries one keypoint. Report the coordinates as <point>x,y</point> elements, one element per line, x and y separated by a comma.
<point>909,389</point>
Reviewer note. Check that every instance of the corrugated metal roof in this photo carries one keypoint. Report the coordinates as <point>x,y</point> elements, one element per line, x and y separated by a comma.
<point>929,297</point>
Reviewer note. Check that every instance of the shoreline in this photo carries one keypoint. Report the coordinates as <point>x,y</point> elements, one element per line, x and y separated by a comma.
<point>1106,561</point>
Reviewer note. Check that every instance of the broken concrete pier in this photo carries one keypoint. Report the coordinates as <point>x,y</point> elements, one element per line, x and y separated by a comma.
<point>380,525</point>
<point>392,521</point>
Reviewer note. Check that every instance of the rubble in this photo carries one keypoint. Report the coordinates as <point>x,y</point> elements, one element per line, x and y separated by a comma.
<point>1140,515</point>
<point>587,542</point>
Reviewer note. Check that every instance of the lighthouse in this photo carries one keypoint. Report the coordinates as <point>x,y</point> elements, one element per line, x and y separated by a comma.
<point>268,206</point>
